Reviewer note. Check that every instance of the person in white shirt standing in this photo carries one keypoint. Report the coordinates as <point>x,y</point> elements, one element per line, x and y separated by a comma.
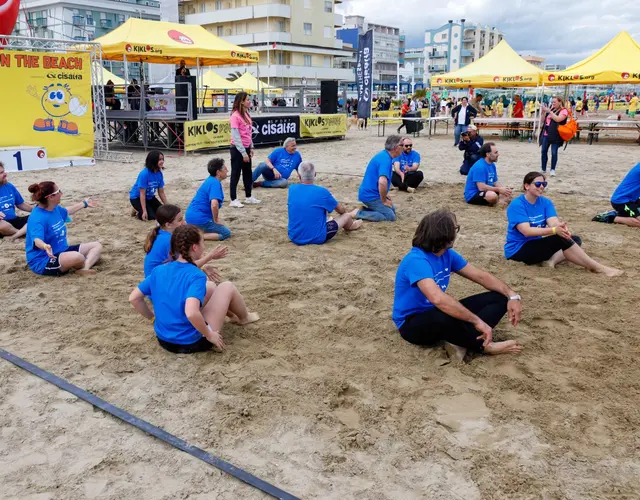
<point>462,116</point>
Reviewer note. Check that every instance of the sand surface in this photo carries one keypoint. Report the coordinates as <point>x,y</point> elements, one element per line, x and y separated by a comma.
<point>322,397</point>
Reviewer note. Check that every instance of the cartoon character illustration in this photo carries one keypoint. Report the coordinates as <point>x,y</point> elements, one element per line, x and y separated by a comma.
<point>58,102</point>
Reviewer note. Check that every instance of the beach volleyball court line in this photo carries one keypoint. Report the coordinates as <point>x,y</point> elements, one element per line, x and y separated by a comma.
<point>145,426</point>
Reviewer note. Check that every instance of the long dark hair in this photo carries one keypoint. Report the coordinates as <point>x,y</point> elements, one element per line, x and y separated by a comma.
<point>436,231</point>
<point>39,192</point>
<point>165,215</point>
<point>237,106</point>
<point>153,158</point>
<point>182,239</point>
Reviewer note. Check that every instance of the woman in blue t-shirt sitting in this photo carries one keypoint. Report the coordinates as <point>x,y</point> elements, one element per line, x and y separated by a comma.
<point>426,315</point>
<point>535,235</point>
<point>48,252</point>
<point>189,310</point>
<point>143,193</point>
<point>204,209</point>
<point>158,243</point>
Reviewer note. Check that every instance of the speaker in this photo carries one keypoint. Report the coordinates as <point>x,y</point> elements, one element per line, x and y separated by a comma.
<point>182,93</point>
<point>329,97</point>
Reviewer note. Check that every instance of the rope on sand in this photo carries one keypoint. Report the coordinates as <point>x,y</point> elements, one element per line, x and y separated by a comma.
<point>145,426</point>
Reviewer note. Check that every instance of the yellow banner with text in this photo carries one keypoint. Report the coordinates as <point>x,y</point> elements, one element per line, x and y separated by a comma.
<point>323,125</point>
<point>203,134</point>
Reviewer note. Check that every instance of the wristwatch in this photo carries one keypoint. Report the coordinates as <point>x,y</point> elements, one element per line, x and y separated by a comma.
<point>515,297</point>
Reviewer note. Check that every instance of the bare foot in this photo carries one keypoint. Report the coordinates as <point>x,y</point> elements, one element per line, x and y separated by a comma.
<point>455,352</point>
<point>251,318</point>
<point>86,272</point>
<point>356,224</point>
<point>611,271</point>
<point>548,263</point>
<point>134,212</point>
<point>506,347</point>
<point>231,318</point>
<point>411,190</point>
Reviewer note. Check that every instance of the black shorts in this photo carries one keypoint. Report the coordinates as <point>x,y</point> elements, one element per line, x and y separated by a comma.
<point>631,209</point>
<point>332,229</point>
<point>53,267</point>
<point>479,199</point>
<point>201,345</point>
<point>17,222</point>
<point>542,249</point>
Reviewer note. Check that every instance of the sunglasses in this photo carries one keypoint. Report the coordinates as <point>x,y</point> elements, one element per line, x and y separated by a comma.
<point>408,146</point>
<point>540,184</point>
<point>59,191</point>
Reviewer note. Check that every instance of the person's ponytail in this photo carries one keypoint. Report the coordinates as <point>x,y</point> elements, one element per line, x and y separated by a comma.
<point>164,215</point>
<point>151,239</point>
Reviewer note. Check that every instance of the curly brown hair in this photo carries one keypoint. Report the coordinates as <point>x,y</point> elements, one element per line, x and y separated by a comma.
<point>437,231</point>
<point>182,239</point>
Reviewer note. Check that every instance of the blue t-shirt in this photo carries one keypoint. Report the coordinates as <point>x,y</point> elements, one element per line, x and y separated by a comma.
<point>416,266</point>
<point>629,189</point>
<point>150,181</point>
<point>381,165</point>
<point>171,285</point>
<point>308,205</point>
<point>9,198</point>
<point>285,162</point>
<point>481,171</point>
<point>159,253</point>
<point>519,211</point>
<point>199,210</point>
<point>50,227</point>
<point>407,160</point>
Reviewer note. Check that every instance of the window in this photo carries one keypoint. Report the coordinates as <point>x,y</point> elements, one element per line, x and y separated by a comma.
<point>238,3</point>
<point>444,36</point>
<point>327,32</point>
<point>307,29</point>
<point>203,7</point>
<point>327,61</point>
<point>307,4</point>
<point>282,26</point>
<point>218,4</point>
<point>328,6</point>
<point>308,61</point>
<point>220,30</point>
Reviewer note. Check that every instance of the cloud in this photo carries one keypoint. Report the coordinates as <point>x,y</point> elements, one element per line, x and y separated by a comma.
<point>563,35</point>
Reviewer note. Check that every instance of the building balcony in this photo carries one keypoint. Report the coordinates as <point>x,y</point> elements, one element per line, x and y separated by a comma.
<point>78,20</point>
<point>239,14</point>
<point>90,22</point>
<point>290,71</point>
<point>337,44</point>
<point>80,38</point>
<point>439,55</point>
<point>41,22</point>
<point>338,20</point>
<point>265,37</point>
<point>105,23</point>
<point>466,53</point>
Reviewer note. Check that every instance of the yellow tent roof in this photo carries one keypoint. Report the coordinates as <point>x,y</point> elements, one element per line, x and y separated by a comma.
<point>160,42</point>
<point>500,67</point>
<point>616,62</point>
<point>108,75</point>
<point>249,83</point>
<point>213,81</point>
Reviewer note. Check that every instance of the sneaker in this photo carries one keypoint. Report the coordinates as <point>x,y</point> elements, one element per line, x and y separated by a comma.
<point>235,204</point>
<point>411,190</point>
<point>252,200</point>
<point>553,173</point>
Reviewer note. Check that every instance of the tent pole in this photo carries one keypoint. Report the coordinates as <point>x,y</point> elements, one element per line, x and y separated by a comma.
<point>126,80</point>
<point>258,82</point>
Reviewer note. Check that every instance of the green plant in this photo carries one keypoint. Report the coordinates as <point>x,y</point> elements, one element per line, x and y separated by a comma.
<point>234,76</point>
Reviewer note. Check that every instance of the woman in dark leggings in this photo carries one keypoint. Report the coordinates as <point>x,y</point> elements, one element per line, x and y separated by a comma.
<point>241,150</point>
<point>426,315</point>
<point>535,235</point>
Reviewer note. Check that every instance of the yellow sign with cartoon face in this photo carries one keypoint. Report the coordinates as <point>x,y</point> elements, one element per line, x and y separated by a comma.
<point>48,102</point>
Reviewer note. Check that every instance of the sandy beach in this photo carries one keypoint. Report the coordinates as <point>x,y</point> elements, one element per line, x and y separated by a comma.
<point>322,397</point>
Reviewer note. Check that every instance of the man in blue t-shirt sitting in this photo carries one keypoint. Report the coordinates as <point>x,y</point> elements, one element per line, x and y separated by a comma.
<point>308,206</point>
<point>374,190</point>
<point>278,166</point>
<point>406,176</point>
<point>471,143</point>
<point>12,225</point>
<point>482,187</point>
<point>626,199</point>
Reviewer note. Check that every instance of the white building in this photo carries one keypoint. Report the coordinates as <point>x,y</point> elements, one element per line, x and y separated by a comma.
<point>555,67</point>
<point>456,44</point>
<point>417,58</point>
<point>296,39</point>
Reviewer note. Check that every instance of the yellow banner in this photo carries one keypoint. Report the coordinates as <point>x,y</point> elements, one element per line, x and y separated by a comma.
<point>202,134</point>
<point>323,125</point>
<point>47,100</point>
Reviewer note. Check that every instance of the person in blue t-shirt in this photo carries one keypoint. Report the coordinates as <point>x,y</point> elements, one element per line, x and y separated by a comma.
<point>12,225</point>
<point>157,246</point>
<point>204,209</point>
<point>189,310</point>
<point>406,176</point>
<point>535,234</point>
<point>626,199</point>
<point>482,186</point>
<point>48,252</point>
<point>308,206</point>
<point>278,166</point>
<point>426,315</point>
<point>143,193</point>
<point>374,189</point>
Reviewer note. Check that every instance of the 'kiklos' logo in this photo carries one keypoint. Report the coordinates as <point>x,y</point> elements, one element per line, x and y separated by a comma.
<point>40,153</point>
<point>552,78</point>
<point>496,79</point>
<point>128,47</point>
<point>179,37</point>
<point>439,80</point>
<point>625,75</point>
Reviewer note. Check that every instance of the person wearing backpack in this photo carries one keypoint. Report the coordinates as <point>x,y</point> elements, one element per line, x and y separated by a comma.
<point>556,116</point>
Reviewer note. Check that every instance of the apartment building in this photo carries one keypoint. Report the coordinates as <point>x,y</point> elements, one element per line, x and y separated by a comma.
<point>296,39</point>
<point>555,67</point>
<point>456,44</point>
<point>535,60</point>
<point>417,58</point>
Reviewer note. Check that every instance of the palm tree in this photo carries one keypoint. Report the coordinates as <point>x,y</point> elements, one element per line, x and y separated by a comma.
<point>234,76</point>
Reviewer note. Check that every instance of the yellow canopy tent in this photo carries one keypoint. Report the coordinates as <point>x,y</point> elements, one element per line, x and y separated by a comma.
<point>616,62</point>
<point>213,84</point>
<point>249,83</point>
<point>500,67</point>
<point>108,75</point>
<point>141,40</point>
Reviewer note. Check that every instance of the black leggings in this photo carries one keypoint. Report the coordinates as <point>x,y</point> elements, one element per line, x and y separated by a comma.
<point>152,207</point>
<point>411,179</point>
<point>201,345</point>
<point>432,326</point>
<point>542,249</point>
<point>239,166</point>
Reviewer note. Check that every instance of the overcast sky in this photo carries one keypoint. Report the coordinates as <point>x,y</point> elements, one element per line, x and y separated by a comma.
<point>562,32</point>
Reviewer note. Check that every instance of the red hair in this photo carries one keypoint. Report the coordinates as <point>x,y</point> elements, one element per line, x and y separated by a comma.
<point>39,192</point>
